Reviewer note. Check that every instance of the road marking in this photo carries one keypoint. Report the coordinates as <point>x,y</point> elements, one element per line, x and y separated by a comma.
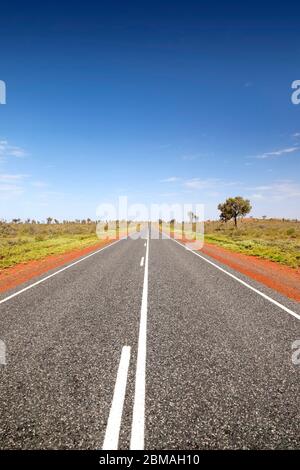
<point>138,420</point>
<point>112,433</point>
<point>278,304</point>
<point>57,272</point>
<point>142,261</point>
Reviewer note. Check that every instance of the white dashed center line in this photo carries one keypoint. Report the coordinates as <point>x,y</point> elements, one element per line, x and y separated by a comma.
<point>138,420</point>
<point>111,439</point>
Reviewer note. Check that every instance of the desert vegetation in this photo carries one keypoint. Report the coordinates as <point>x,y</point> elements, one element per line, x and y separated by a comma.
<point>273,239</point>
<point>22,241</point>
<point>26,241</point>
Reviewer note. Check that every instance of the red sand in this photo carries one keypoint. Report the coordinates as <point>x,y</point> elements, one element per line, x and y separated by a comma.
<point>16,275</point>
<point>281,278</point>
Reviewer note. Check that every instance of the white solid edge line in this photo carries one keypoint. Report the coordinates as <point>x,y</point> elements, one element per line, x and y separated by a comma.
<point>142,261</point>
<point>138,419</point>
<point>278,304</point>
<point>112,433</point>
<point>57,272</point>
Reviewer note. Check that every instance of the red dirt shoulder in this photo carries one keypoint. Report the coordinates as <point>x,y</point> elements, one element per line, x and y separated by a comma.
<point>281,278</point>
<point>16,275</point>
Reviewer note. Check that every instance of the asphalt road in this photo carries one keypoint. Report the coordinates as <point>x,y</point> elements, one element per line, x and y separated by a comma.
<point>145,344</point>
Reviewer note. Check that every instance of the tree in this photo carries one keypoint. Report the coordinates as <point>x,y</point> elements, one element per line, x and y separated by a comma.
<point>193,217</point>
<point>49,220</point>
<point>233,208</point>
<point>225,215</point>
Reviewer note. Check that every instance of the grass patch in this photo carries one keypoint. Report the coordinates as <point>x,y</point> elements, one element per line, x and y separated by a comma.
<point>272,239</point>
<point>25,249</point>
<point>21,243</point>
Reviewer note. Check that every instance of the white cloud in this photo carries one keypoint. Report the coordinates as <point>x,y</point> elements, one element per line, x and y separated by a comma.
<point>277,153</point>
<point>39,184</point>
<point>190,158</point>
<point>8,178</point>
<point>201,183</point>
<point>197,183</point>
<point>7,150</point>
<point>263,188</point>
<point>171,179</point>
<point>279,190</point>
<point>47,194</point>
<point>11,185</point>
<point>10,190</point>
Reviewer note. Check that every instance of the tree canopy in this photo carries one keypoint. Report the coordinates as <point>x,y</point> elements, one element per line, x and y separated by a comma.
<point>233,208</point>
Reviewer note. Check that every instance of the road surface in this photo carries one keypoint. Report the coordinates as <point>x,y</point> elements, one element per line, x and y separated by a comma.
<point>144,344</point>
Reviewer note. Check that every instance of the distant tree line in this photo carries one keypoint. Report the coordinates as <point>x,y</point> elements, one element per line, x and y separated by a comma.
<point>49,221</point>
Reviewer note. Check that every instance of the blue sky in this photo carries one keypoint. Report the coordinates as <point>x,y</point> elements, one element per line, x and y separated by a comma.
<point>164,102</point>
